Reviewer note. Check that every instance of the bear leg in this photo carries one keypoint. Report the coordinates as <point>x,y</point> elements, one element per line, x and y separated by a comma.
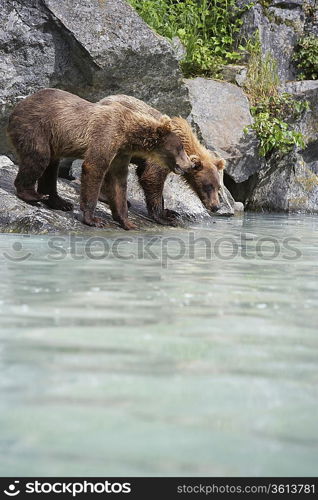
<point>47,185</point>
<point>115,191</point>
<point>103,198</point>
<point>152,178</point>
<point>166,217</point>
<point>91,180</point>
<point>30,170</point>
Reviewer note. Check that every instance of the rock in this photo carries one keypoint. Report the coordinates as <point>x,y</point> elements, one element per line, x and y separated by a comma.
<point>288,185</point>
<point>308,122</point>
<point>291,183</point>
<point>221,112</point>
<point>306,90</point>
<point>234,73</point>
<point>178,47</point>
<point>300,87</point>
<point>238,207</point>
<point>311,11</point>
<point>18,216</point>
<point>280,26</point>
<point>92,48</point>
<point>228,204</point>
<point>6,162</point>
<point>179,197</point>
<point>76,169</point>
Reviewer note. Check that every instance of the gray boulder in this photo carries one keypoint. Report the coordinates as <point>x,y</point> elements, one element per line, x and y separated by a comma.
<point>306,90</point>
<point>178,47</point>
<point>280,26</point>
<point>234,73</point>
<point>291,183</point>
<point>288,185</point>
<point>220,111</point>
<point>89,48</point>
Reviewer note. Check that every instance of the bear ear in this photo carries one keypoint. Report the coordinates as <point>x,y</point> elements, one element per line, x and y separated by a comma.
<point>165,126</point>
<point>197,165</point>
<point>220,163</point>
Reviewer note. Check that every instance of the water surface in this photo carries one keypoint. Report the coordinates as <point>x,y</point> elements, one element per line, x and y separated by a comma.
<point>118,358</point>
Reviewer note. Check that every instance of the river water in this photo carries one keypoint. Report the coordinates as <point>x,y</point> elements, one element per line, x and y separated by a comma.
<point>172,352</point>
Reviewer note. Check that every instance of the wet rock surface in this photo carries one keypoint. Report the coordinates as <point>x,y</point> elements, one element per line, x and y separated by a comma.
<point>18,216</point>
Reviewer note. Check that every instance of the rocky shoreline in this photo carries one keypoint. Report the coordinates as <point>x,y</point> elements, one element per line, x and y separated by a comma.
<point>95,49</point>
<point>18,216</point>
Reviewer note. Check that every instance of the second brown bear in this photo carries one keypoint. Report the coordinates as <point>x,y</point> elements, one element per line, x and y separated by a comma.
<point>204,178</point>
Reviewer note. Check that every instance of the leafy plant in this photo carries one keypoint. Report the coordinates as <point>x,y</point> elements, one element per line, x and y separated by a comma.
<point>306,57</point>
<point>207,28</point>
<point>283,105</point>
<point>275,134</point>
<point>271,110</point>
<point>262,76</point>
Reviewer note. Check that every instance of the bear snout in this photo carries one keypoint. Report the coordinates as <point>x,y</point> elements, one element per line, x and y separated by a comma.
<point>215,208</point>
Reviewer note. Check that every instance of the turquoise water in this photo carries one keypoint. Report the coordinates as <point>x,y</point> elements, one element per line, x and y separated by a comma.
<point>117,361</point>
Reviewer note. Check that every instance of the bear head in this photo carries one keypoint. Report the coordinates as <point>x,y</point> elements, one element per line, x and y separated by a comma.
<point>205,179</point>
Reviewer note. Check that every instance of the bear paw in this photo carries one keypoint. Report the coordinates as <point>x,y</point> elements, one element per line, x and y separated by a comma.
<point>127,224</point>
<point>167,218</point>
<point>94,221</point>
<point>29,195</point>
<point>58,203</point>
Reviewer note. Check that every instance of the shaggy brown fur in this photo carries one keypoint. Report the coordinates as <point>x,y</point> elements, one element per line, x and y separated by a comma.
<point>204,179</point>
<point>52,124</point>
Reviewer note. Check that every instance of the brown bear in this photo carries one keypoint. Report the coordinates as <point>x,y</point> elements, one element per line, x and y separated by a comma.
<point>204,179</point>
<point>52,123</point>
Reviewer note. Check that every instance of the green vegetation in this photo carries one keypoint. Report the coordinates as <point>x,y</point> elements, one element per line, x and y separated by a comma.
<point>207,29</point>
<point>306,58</point>
<point>275,134</point>
<point>265,3</point>
<point>271,110</point>
<point>262,76</point>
